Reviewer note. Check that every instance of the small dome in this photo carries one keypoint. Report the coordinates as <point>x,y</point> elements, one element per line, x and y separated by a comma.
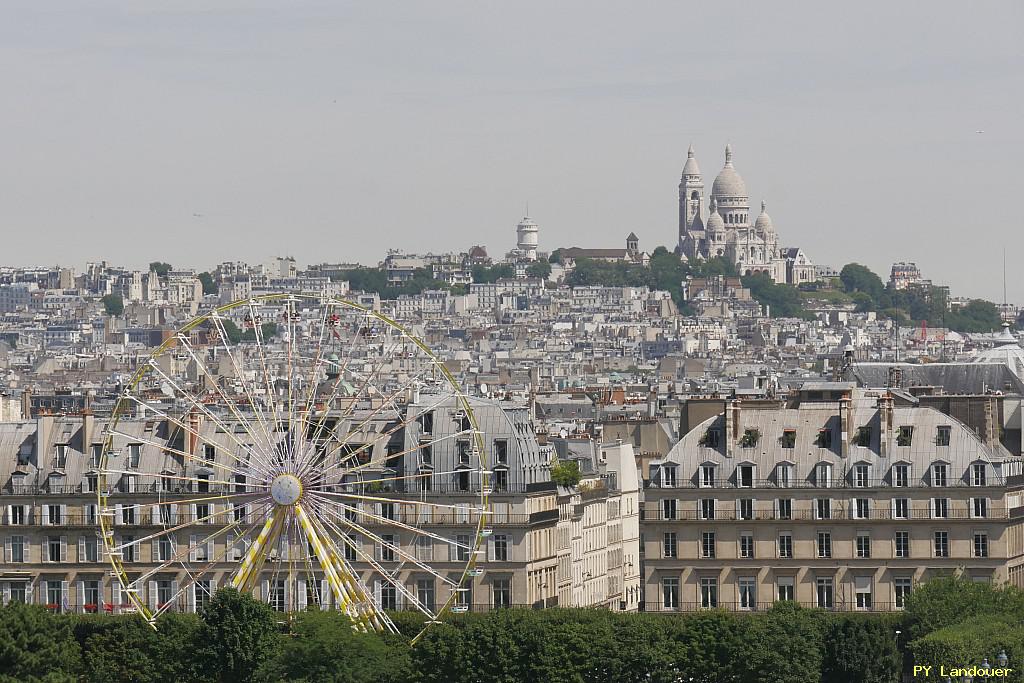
<point>715,222</point>
<point>764,221</point>
<point>729,183</point>
<point>691,168</point>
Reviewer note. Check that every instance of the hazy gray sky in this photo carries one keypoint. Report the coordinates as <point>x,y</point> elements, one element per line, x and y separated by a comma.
<point>332,131</point>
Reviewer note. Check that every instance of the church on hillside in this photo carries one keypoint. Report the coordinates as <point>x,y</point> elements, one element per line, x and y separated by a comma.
<point>722,227</point>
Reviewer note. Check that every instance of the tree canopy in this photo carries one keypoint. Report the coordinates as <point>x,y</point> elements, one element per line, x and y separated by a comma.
<point>113,304</point>
<point>160,268</point>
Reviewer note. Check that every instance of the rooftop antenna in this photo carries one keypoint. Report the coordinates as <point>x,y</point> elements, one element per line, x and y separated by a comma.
<point>1004,277</point>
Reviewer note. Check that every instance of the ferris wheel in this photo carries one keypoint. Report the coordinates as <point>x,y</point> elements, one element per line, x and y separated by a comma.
<point>304,449</point>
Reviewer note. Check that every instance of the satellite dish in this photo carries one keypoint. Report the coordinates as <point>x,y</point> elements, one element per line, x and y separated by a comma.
<point>483,388</point>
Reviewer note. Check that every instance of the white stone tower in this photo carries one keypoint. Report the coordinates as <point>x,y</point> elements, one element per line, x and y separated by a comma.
<point>691,197</point>
<point>526,233</point>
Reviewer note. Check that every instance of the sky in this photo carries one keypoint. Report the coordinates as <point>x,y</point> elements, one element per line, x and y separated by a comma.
<point>201,131</point>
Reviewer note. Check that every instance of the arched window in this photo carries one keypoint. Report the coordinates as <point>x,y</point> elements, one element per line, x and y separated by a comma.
<point>694,195</point>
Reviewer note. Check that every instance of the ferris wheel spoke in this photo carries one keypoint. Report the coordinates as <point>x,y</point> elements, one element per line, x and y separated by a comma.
<point>256,406</point>
<point>331,509</point>
<point>341,376</point>
<point>177,477</point>
<point>383,406</point>
<point>390,577</point>
<point>174,529</point>
<point>199,405</point>
<point>257,326</point>
<point>256,460</point>
<point>405,501</point>
<point>183,340</point>
<point>188,456</point>
<point>195,576</point>
<point>371,463</point>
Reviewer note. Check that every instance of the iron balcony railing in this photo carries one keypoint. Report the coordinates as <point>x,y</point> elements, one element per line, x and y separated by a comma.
<point>738,606</point>
<point>838,483</point>
<point>836,513</point>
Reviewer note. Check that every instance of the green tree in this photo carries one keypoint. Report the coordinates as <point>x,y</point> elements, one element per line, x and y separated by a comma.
<point>113,304</point>
<point>783,300</point>
<point>234,334</point>
<point>501,271</point>
<point>209,284</point>
<point>324,647</point>
<point>160,268</point>
<point>861,648</point>
<point>239,635</point>
<point>119,649</point>
<point>565,472</point>
<point>977,316</point>
<point>539,269</point>
<point>36,647</point>
<point>858,278</point>
<point>947,600</point>
<point>267,330</point>
<point>555,256</point>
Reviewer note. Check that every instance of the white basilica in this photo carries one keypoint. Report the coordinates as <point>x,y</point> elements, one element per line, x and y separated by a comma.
<point>726,231</point>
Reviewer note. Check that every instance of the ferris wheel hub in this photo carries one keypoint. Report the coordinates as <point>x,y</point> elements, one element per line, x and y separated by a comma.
<point>285,489</point>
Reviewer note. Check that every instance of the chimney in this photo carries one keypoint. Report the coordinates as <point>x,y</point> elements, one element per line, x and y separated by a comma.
<point>26,403</point>
<point>44,429</point>
<point>885,426</point>
<point>732,426</point>
<point>845,425</point>
<point>193,427</point>
<point>88,427</point>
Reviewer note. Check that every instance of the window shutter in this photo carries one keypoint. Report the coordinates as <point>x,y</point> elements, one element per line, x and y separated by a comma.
<point>155,511</point>
<point>174,513</point>
<point>679,506</point>
<point>453,551</point>
<point>376,592</point>
<point>175,598</point>
<point>46,515</point>
<point>399,596</point>
<point>8,557</point>
<point>213,585</point>
<point>152,590</point>
<point>115,594</point>
<point>738,508</point>
<point>209,551</point>
<point>326,596</point>
<point>8,518</point>
<point>81,596</point>
<point>63,548</point>
<point>64,513</point>
<point>931,508</point>
<point>64,604</point>
<point>265,590</point>
<point>193,554</point>
<point>117,514</point>
<point>190,597</point>
<point>300,597</point>
<point>490,549</point>
<point>156,550</point>
<point>5,587</point>
<point>81,548</point>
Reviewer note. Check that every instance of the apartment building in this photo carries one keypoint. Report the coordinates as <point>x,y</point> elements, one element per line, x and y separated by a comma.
<point>839,497</point>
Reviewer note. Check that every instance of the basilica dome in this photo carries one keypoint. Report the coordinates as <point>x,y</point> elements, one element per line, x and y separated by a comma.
<point>729,183</point>
<point>764,221</point>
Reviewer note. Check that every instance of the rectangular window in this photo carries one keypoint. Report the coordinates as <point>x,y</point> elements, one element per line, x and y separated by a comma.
<point>863,544</point>
<point>707,508</point>
<point>711,438</point>
<point>824,438</point>
<point>748,593</point>
<point>902,587</point>
<point>825,590</point>
<point>128,515</point>
<point>53,514</point>
<point>785,586</point>
<point>17,549</point>
<point>900,508</point>
<point>823,475</point>
<point>668,508</point>
<point>425,593</point>
<point>940,508</point>
<point>746,508</point>
<point>863,436</point>
<point>427,454</point>
<point>785,545</point>
<point>134,455</point>
<point>862,589</point>
<point>387,547</point>
<point>746,545</point>
<point>941,544</point>
<point>939,475</point>
<point>387,510</point>
<point>902,544</point>
<point>784,475</point>
<point>164,550</point>
<point>91,546</point>
<point>501,451</point>
<point>979,507</point>
<point>823,508</point>
<point>19,515</point>
<point>670,593</point>
<point>860,475</point>
<point>501,548</point>
<point>861,508</point>
<point>980,544</point>
<point>708,592</point>
<point>905,436</point>
<point>745,476</point>
<point>707,544</point>
<point>424,548</point>
<point>96,453</point>
<point>351,551</point>
<point>824,544</point>
<point>462,450</point>
<point>784,506</point>
<point>130,549</point>
<point>388,596</point>
<point>669,545</point>
<point>789,438</point>
<point>978,474</point>
<point>942,435</point>
<point>707,476</point>
<point>502,592</point>
<point>462,548</point>
<point>668,476</point>
<point>901,475</point>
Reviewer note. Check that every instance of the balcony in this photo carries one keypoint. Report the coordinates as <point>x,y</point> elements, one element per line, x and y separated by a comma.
<point>684,607</point>
<point>837,483</point>
<point>838,514</point>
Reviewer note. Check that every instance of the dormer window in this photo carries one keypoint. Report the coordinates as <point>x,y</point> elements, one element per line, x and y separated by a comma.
<point>668,476</point>
<point>942,435</point>
<point>823,475</point>
<point>939,474</point>
<point>824,439</point>
<point>863,437</point>
<point>784,475</point>
<point>134,455</point>
<point>860,475</point>
<point>707,476</point>
<point>710,439</point>
<point>901,475</point>
<point>209,453</point>
<point>97,454</point>
<point>60,456</point>
<point>789,438</point>
<point>745,476</point>
<point>906,436</point>
<point>978,477</point>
